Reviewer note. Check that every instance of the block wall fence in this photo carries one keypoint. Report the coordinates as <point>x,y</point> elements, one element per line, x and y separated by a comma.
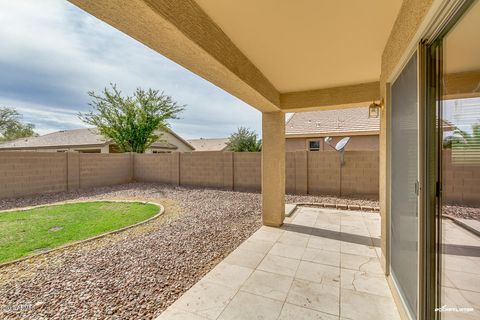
<point>316,173</point>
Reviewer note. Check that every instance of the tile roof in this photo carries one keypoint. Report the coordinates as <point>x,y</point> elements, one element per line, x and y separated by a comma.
<point>209,144</point>
<point>329,122</point>
<point>68,138</point>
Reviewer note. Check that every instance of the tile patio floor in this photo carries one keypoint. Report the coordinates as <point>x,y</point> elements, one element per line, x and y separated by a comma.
<point>461,276</point>
<point>322,264</point>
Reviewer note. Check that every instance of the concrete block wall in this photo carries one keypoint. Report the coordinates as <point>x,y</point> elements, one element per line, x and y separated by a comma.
<point>461,182</point>
<point>290,172</point>
<point>105,169</point>
<point>247,175</point>
<point>323,173</point>
<point>27,173</point>
<point>202,169</point>
<point>153,167</point>
<point>360,174</point>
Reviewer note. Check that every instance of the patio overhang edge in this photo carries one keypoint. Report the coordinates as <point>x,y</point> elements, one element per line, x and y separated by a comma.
<point>330,98</point>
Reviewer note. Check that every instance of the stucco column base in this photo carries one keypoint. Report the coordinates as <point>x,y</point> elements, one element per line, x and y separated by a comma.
<point>273,168</point>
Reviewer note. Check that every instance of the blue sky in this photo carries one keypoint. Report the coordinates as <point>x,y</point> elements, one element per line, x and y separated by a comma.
<point>53,53</point>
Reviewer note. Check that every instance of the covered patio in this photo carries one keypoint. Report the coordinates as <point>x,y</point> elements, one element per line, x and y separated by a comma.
<point>290,56</point>
<point>321,264</point>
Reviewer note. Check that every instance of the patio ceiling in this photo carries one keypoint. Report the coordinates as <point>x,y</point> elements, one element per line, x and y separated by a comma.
<point>274,55</point>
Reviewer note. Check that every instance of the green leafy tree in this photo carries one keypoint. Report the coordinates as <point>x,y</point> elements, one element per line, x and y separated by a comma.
<point>12,127</point>
<point>244,140</point>
<point>132,122</point>
<point>463,140</point>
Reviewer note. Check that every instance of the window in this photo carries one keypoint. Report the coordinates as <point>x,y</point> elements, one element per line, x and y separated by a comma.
<point>314,145</point>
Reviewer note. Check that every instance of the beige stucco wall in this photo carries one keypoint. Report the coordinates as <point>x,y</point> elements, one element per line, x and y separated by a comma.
<point>410,18</point>
<point>168,137</point>
<point>357,143</point>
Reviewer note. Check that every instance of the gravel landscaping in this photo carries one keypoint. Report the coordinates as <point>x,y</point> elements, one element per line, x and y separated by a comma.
<point>135,274</point>
<point>138,273</point>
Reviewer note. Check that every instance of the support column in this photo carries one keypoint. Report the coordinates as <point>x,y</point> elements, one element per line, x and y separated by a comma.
<point>273,168</point>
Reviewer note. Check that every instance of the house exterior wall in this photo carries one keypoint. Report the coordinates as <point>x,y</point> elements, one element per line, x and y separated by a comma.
<point>170,138</point>
<point>357,143</point>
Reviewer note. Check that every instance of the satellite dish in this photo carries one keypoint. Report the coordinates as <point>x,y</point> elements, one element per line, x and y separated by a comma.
<point>342,144</point>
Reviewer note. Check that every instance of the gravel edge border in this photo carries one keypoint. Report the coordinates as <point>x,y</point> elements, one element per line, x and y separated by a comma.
<point>340,206</point>
<point>158,214</point>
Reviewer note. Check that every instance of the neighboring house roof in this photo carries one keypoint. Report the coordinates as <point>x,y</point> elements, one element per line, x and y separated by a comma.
<point>349,121</point>
<point>88,137</point>
<point>209,144</point>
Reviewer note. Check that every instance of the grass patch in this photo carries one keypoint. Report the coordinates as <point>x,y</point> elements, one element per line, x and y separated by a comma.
<point>39,229</point>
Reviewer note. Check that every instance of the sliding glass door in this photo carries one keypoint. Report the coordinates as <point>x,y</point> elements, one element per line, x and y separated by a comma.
<point>404,185</point>
<point>459,163</point>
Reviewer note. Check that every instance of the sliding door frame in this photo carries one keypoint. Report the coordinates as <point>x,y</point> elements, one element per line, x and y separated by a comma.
<point>429,63</point>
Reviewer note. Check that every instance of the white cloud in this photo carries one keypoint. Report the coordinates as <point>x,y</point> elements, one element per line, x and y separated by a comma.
<point>53,53</point>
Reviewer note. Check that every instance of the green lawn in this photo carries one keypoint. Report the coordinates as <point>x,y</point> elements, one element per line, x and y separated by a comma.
<point>38,229</point>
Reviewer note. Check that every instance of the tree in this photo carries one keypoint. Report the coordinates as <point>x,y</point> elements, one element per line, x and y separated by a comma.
<point>133,122</point>
<point>12,127</point>
<point>462,139</point>
<point>244,140</point>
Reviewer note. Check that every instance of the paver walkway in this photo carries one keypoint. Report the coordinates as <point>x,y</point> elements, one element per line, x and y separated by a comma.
<point>322,264</point>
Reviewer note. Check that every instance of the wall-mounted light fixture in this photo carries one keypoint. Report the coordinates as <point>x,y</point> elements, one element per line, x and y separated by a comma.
<point>374,109</point>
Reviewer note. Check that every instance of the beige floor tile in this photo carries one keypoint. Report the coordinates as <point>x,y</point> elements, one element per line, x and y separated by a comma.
<point>228,275</point>
<point>355,230</point>
<point>363,306</point>
<point>473,299</point>
<point>293,312</point>
<point>244,258</point>
<point>176,314</point>
<point>267,234</point>
<point>284,250</point>
<point>205,299</point>
<point>460,263</point>
<point>316,242</point>
<point>327,226</point>
<point>364,282</point>
<point>361,263</point>
<point>318,273</point>
<point>248,306</point>
<point>256,246</point>
<point>464,280</point>
<point>358,249</point>
<point>454,298</point>
<point>292,238</point>
<point>279,265</point>
<point>330,258</point>
<point>315,296</point>
<point>270,285</point>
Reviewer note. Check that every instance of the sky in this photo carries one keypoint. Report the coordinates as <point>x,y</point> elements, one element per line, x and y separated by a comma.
<point>52,54</point>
